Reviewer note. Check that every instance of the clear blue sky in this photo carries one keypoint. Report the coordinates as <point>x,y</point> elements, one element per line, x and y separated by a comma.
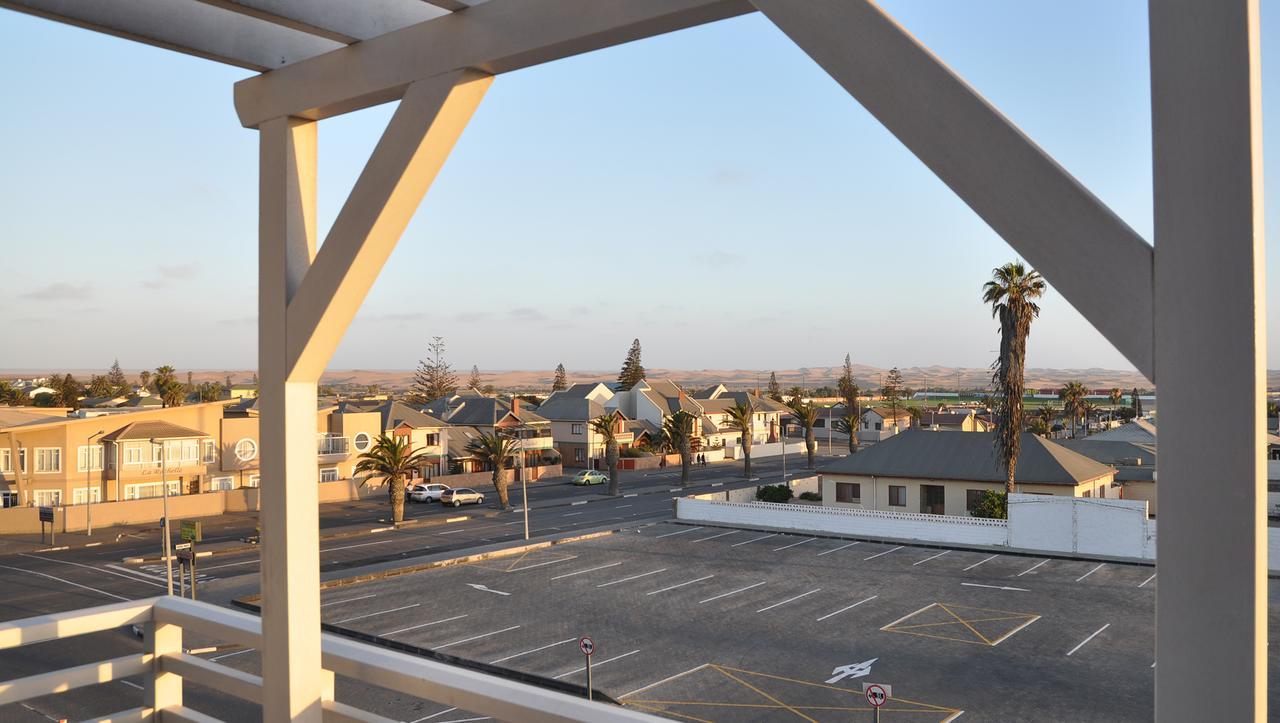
<point>712,192</point>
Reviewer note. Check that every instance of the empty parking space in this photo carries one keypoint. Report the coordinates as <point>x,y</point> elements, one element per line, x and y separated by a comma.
<point>937,624</point>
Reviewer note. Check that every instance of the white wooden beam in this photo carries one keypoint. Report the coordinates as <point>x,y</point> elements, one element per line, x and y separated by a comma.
<point>1080,246</point>
<point>339,20</point>
<point>186,26</point>
<point>495,37</point>
<point>406,160</point>
<point>1211,345</point>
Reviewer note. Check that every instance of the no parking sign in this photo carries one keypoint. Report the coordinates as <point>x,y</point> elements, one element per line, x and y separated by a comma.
<point>877,695</point>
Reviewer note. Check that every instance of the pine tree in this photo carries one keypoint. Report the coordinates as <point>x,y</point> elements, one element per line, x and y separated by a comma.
<point>1136,403</point>
<point>434,378</point>
<point>99,386</point>
<point>775,391</point>
<point>116,378</point>
<point>632,371</point>
<point>475,382</point>
<point>892,391</point>
<point>561,381</point>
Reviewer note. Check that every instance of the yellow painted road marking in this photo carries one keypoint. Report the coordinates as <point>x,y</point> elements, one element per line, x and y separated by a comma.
<point>731,676</point>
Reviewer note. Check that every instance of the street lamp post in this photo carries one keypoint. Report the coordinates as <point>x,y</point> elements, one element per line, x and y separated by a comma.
<point>164,528</point>
<point>88,476</point>
<point>524,486</point>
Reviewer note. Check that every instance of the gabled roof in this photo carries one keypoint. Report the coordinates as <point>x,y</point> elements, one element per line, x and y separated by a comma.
<point>562,407</point>
<point>713,392</point>
<point>920,454</point>
<point>153,429</point>
<point>1112,451</point>
<point>944,419</point>
<point>1138,430</point>
<point>394,414</point>
<point>19,416</point>
<point>887,412</point>
<point>669,398</point>
<point>487,412</point>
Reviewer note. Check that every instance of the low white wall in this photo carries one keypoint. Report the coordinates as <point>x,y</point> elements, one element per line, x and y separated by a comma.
<point>760,451</point>
<point>862,523</point>
<point>1087,526</point>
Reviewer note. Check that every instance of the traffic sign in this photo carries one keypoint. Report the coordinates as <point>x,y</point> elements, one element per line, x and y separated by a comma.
<point>191,531</point>
<point>46,514</point>
<point>877,693</point>
<point>586,646</point>
<point>186,555</point>
<point>182,546</point>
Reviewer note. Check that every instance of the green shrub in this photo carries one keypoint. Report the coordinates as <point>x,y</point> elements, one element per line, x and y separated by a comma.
<point>811,496</point>
<point>992,505</point>
<point>633,452</point>
<point>774,493</point>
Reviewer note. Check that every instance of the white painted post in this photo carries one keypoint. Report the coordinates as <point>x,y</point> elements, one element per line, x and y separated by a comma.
<point>1210,347</point>
<point>162,690</point>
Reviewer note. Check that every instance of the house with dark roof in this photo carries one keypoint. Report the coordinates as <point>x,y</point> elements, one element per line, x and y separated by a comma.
<point>570,412</point>
<point>1135,464</point>
<point>509,417</point>
<point>945,473</point>
<point>962,421</point>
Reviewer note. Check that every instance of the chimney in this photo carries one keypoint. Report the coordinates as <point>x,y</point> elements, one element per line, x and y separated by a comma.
<point>515,405</point>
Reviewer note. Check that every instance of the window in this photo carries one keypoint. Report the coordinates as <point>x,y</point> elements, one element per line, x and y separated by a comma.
<point>133,454</point>
<point>150,489</point>
<point>48,460</point>
<point>897,495</point>
<point>971,499</point>
<point>253,480</point>
<point>6,459</point>
<point>210,451</point>
<point>328,474</point>
<point>246,449</point>
<point>433,440</point>
<point>221,483</point>
<point>89,459</point>
<point>362,441</point>
<point>849,492</point>
<point>81,495</point>
<point>47,498</point>
<point>579,455</point>
<point>8,499</point>
<point>578,429</point>
<point>1087,493</point>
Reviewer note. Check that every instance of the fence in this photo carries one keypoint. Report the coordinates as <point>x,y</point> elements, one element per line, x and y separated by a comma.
<point>1086,526</point>
<point>760,451</point>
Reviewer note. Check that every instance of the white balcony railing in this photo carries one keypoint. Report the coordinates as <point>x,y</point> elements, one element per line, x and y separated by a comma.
<point>165,619</point>
<point>333,446</point>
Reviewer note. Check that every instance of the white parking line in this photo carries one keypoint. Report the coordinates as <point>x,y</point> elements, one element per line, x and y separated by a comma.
<point>466,720</point>
<point>216,658</point>
<point>349,599</point>
<point>477,637</point>
<point>544,647</point>
<point>756,539</point>
<point>722,534</point>
<point>130,576</point>
<point>425,625</point>
<point>940,554</point>
<point>548,562</point>
<point>793,599</point>
<point>594,665</point>
<point>618,507</point>
<point>881,554</point>
<point>797,544</point>
<point>362,544</point>
<point>1087,574</point>
<point>673,587</point>
<point>573,514</point>
<point>1091,637</point>
<point>454,532</point>
<point>979,562</point>
<point>633,577</point>
<point>1029,569</point>
<point>677,532</point>
<point>51,577</point>
<point>1144,582</point>
<point>380,612</point>
<point>434,715</point>
<point>667,679</point>
<point>589,569</point>
<point>732,592</point>
<point>850,607</point>
<point>828,552</point>
<point>229,564</point>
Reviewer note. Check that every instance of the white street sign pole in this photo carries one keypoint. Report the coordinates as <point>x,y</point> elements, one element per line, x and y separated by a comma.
<point>587,647</point>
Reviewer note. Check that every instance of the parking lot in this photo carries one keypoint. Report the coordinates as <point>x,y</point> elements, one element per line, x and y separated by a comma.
<point>713,624</point>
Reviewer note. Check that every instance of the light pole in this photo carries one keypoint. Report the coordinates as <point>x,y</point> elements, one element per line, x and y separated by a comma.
<point>164,528</point>
<point>88,467</point>
<point>524,487</point>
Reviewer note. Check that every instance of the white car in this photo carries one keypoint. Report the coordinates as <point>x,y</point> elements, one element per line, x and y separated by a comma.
<point>427,492</point>
<point>461,496</point>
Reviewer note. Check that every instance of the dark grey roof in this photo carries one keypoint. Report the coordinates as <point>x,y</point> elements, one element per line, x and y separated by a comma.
<point>1137,430</point>
<point>393,413</point>
<point>1112,451</point>
<point>920,454</point>
<point>565,406</point>
<point>668,397</point>
<point>487,412</point>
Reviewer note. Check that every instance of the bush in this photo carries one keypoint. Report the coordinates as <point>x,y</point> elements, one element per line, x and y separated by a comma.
<point>811,496</point>
<point>774,493</point>
<point>633,452</point>
<point>992,505</point>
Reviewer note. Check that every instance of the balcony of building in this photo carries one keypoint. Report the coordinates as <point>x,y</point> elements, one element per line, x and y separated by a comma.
<point>333,447</point>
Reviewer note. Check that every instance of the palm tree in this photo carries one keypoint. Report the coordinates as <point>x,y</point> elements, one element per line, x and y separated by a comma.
<point>1090,411</point>
<point>1115,395</point>
<point>848,424</point>
<point>1039,426</point>
<point>392,459</point>
<point>1012,293</point>
<point>1047,414</point>
<point>606,426</point>
<point>807,415</point>
<point>741,417</point>
<point>1072,396</point>
<point>494,450</point>
<point>677,431</point>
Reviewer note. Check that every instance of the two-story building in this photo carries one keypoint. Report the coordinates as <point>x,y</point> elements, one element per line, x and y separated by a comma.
<point>570,412</point>
<point>716,402</point>
<point>512,418</point>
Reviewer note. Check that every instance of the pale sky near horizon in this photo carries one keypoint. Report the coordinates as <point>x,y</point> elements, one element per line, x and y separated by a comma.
<point>711,192</point>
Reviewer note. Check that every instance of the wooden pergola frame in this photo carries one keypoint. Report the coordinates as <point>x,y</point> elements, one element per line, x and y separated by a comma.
<point>1186,311</point>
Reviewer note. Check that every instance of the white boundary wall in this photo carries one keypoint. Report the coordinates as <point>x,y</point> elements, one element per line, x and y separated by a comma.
<point>840,520</point>
<point>761,451</point>
<point>1081,525</point>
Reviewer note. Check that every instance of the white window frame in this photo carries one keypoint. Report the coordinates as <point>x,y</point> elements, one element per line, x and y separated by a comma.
<point>81,495</point>
<point>56,454</point>
<point>210,451</point>
<point>255,480</point>
<point>131,491</point>
<point>6,459</point>
<point>334,470</point>
<point>222,482</point>
<point>84,464</point>
<point>362,441</point>
<point>36,496</point>
<point>8,499</point>
<point>577,428</point>
<point>241,456</point>
<point>133,454</point>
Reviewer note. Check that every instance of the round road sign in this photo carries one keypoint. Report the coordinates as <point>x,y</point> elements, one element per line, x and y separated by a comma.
<point>876,695</point>
<point>586,646</point>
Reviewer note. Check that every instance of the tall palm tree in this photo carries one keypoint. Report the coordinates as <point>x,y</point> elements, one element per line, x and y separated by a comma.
<point>1115,395</point>
<point>392,459</point>
<point>848,424</point>
<point>741,417</point>
<point>807,415</point>
<point>493,451</point>
<point>677,429</point>
<point>1090,411</point>
<point>1072,396</point>
<point>1047,414</point>
<point>1012,293</point>
<point>606,426</point>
